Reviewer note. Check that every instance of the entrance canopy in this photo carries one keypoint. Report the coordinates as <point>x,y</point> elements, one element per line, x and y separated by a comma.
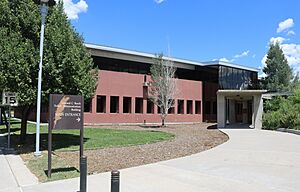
<point>240,108</point>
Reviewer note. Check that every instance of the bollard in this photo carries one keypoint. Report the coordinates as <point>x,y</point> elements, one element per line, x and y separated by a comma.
<point>115,181</point>
<point>83,173</point>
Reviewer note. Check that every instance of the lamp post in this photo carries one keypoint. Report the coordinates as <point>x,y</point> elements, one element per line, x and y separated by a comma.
<point>44,11</point>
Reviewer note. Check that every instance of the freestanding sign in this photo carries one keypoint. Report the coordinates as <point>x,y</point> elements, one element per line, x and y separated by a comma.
<point>9,99</point>
<point>65,112</point>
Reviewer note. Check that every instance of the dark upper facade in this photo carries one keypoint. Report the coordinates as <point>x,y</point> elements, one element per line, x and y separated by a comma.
<point>226,75</point>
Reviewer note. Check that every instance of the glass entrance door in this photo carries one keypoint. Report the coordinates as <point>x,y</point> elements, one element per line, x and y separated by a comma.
<point>238,112</point>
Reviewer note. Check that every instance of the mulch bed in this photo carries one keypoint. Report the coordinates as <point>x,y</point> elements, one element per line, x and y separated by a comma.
<point>189,139</point>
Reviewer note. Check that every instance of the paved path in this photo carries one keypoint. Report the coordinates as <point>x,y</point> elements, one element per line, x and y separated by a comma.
<point>13,173</point>
<point>252,160</point>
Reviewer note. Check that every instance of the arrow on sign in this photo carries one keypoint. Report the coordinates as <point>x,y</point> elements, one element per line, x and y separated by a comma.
<point>78,119</point>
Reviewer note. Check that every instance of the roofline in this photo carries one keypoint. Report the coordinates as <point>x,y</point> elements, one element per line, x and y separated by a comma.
<point>228,64</point>
<point>137,53</point>
<point>151,56</point>
<point>231,92</point>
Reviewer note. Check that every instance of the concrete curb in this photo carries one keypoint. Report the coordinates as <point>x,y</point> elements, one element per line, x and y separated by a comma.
<point>293,131</point>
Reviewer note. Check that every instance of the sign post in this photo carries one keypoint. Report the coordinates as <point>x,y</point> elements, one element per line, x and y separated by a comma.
<point>9,99</point>
<point>65,112</point>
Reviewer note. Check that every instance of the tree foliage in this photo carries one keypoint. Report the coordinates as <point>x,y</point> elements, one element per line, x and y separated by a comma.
<point>163,85</point>
<point>67,66</point>
<point>282,112</point>
<point>278,72</point>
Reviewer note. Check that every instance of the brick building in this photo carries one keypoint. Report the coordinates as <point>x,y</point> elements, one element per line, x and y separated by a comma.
<point>212,91</point>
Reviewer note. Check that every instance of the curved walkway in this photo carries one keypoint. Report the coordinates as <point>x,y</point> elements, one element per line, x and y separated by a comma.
<point>252,160</point>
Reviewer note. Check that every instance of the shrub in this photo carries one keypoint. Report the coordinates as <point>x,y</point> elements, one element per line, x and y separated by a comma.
<point>281,112</point>
<point>273,104</point>
<point>271,120</point>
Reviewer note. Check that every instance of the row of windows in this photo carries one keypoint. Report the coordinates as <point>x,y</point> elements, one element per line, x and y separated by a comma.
<point>127,106</point>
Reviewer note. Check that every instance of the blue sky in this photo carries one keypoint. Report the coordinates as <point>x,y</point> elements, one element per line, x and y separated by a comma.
<point>233,30</point>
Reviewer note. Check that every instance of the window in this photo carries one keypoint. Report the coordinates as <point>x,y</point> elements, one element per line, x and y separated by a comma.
<point>214,107</point>
<point>126,104</point>
<point>189,105</point>
<point>180,107</point>
<point>114,104</point>
<point>101,104</point>
<point>150,106</point>
<point>171,110</point>
<point>158,110</point>
<point>198,107</point>
<point>138,105</point>
<point>87,106</point>
<point>207,107</point>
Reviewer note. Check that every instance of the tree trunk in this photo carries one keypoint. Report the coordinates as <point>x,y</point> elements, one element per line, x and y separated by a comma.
<point>163,122</point>
<point>25,113</point>
<point>163,117</point>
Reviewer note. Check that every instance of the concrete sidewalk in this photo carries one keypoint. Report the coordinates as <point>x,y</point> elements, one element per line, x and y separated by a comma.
<point>252,160</point>
<point>14,174</point>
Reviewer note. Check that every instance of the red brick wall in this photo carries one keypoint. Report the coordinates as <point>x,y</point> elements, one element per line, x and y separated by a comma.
<point>131,85</point>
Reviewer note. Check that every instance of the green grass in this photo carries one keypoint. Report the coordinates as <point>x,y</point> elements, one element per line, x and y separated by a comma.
<point>61,169</point>
<point>68,140</point>
<point>94,138</point>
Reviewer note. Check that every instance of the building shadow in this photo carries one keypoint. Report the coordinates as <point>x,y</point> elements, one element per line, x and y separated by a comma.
<point>150,126</point>
<point>238,126</point>
<point>212,126</point>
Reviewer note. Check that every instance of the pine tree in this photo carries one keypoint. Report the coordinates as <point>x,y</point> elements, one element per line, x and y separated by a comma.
<point>278,72</point>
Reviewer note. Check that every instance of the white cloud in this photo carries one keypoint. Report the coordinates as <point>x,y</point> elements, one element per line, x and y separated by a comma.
<point>225,59</point>
<point>73,9</point>
<point>291,32</point>
<point>292,54</point>
<point>159,1</point>
<point>286,24</point>
<point>263,61</point>
<point>279,40</point>
<point>244,54</point>
<point>290,50</point>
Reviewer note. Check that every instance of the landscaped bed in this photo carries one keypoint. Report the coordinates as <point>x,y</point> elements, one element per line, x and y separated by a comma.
<point>118,147</point>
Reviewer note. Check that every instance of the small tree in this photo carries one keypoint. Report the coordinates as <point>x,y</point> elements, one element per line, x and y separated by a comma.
<point>163,85</point>
<point>278,72</point>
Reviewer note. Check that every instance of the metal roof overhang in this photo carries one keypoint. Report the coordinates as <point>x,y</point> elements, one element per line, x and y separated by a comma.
<point>115,53</point>
<point>129,55</point>
<point>242,93</point>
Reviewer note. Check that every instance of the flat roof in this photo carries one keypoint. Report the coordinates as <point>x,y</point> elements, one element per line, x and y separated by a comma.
<point>228,64</point>
<point>233,92</point>
<point>150,56</point>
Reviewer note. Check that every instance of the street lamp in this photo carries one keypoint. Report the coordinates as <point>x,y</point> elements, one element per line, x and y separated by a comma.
<point>44,10</point>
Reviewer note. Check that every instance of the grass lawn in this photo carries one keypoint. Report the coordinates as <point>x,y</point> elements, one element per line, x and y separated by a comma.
<point>94,138</point>
<point>68,140</point>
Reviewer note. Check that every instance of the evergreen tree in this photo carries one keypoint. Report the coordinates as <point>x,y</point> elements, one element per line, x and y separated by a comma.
<point>278,72</point>
<point>67,65</point>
